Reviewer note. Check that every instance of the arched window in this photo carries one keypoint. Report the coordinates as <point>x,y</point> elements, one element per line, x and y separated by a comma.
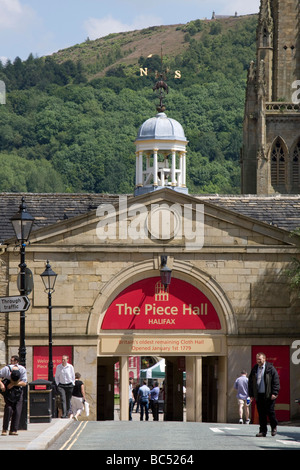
<point>296,166</point>
<point>278,164</point>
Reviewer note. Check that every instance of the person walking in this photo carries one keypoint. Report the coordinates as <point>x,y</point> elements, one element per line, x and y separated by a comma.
<point>136,397</point>
<point>14,379</point>
<point>264,387</point>
<point>144,394</point>
<point>131,397</point>
<point>154,394</point>
<point>78,397</point>
<point>65,381</point>
<point>241,385</point>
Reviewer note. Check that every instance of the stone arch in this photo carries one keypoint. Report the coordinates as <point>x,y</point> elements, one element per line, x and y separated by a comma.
<point>182,270</point>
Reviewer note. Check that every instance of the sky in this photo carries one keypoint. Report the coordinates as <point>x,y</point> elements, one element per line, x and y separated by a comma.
<point>42,27</point>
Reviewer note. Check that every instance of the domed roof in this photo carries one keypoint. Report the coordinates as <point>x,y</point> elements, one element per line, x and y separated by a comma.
<point>161,127</point>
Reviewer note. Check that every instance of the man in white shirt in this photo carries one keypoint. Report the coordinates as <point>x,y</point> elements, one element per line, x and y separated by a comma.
<point>131,397</point>
<point>65,381</point>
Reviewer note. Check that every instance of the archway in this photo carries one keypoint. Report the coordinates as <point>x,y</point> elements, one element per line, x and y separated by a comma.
<point>136,318</point>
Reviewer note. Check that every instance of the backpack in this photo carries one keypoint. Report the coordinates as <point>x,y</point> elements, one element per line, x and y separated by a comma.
<point>11,396</point>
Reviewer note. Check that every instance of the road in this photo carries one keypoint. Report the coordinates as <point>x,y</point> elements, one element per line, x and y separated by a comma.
<point>162,436</point>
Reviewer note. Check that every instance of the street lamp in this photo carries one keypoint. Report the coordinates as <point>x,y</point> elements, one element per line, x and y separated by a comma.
<point>165,272</point>
<point>22,223</point>
<point>49,279</point>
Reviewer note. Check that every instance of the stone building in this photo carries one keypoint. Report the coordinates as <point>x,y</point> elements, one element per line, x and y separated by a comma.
<point>228,296</point>
<point>271,151</point>
<point>228,299</point>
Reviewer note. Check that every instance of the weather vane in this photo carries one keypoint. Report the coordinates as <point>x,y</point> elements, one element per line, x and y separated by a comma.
<point>160,86</point>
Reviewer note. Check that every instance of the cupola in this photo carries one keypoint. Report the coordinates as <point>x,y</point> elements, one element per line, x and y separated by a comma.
<point>160,152</point>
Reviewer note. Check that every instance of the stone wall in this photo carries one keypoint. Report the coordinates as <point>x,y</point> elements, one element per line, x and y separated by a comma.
<point>269,111</point>
<point>3,316</point>
<point>243,259</point>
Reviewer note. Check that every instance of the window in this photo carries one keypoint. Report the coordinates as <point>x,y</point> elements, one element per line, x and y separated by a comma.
<point>296,166</point>
<point>278,164</point>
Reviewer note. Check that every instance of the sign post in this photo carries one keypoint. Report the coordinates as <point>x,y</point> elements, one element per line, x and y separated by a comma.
<point>18,303</point>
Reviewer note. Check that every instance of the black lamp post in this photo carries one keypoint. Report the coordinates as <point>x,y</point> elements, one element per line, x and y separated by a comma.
<point>22,223</point>
<point>49,279</point>
<point>165,272</point>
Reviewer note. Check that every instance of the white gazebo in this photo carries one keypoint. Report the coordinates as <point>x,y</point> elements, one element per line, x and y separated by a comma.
<point>160,155</point>
<point>157,371</point>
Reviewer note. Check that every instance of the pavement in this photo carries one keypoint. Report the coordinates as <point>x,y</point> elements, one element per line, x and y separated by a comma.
<point>39,436</point>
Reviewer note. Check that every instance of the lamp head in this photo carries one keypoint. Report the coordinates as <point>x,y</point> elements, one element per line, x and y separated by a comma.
<point>49,278</point>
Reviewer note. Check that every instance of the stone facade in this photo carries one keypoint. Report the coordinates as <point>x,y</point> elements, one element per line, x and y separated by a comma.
<point>270,161</point>
<point>3,292</point>
<point>234,250</point>
<point>241,268</point>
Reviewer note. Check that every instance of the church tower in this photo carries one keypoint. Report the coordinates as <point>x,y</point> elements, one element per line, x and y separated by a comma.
<point>270,160</point>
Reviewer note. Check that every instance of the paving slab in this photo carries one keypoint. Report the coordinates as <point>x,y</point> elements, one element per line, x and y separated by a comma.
<point>38,436</point>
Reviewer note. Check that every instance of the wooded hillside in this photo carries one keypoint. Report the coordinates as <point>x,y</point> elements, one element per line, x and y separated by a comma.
<point>70,119</point>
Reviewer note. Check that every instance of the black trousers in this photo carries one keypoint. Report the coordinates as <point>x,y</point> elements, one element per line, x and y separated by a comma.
<point>266,409</point>
<point>65,392</point>
<point>154,405</point>
<point>12,413</point>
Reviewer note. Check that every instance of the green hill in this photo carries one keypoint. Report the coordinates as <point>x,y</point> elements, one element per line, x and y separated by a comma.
<point>70,119</point>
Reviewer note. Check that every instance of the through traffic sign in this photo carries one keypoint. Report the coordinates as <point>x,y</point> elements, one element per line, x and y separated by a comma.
<point>18,303</point>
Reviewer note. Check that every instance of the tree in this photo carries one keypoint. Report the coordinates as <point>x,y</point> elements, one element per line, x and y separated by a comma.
<point>85,131</point>
<point>21,175</point>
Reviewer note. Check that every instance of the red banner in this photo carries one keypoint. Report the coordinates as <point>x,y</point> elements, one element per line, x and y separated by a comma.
<point>41,359</point>
<point>146,305</point>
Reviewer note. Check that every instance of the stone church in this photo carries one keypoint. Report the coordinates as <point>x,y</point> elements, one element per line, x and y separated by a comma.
<point>229,296</point>
<point>271,149</point>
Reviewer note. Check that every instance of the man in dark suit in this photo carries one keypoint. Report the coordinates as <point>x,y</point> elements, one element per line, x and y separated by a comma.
<point>264,387</point>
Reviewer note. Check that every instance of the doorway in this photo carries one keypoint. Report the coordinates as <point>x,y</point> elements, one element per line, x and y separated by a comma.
<point>174,389</point>
<point>210,389</point>
<point>106,388</point>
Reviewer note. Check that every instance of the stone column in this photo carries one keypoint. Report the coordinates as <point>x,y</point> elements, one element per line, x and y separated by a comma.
<point>193,388</point>
<point>124,389</point>
<point>140,183</point>
<point>179,180</point>
<point>183,177</point>
<point>222,388</point>
<point>155,168</point>
<point>173,169</point>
